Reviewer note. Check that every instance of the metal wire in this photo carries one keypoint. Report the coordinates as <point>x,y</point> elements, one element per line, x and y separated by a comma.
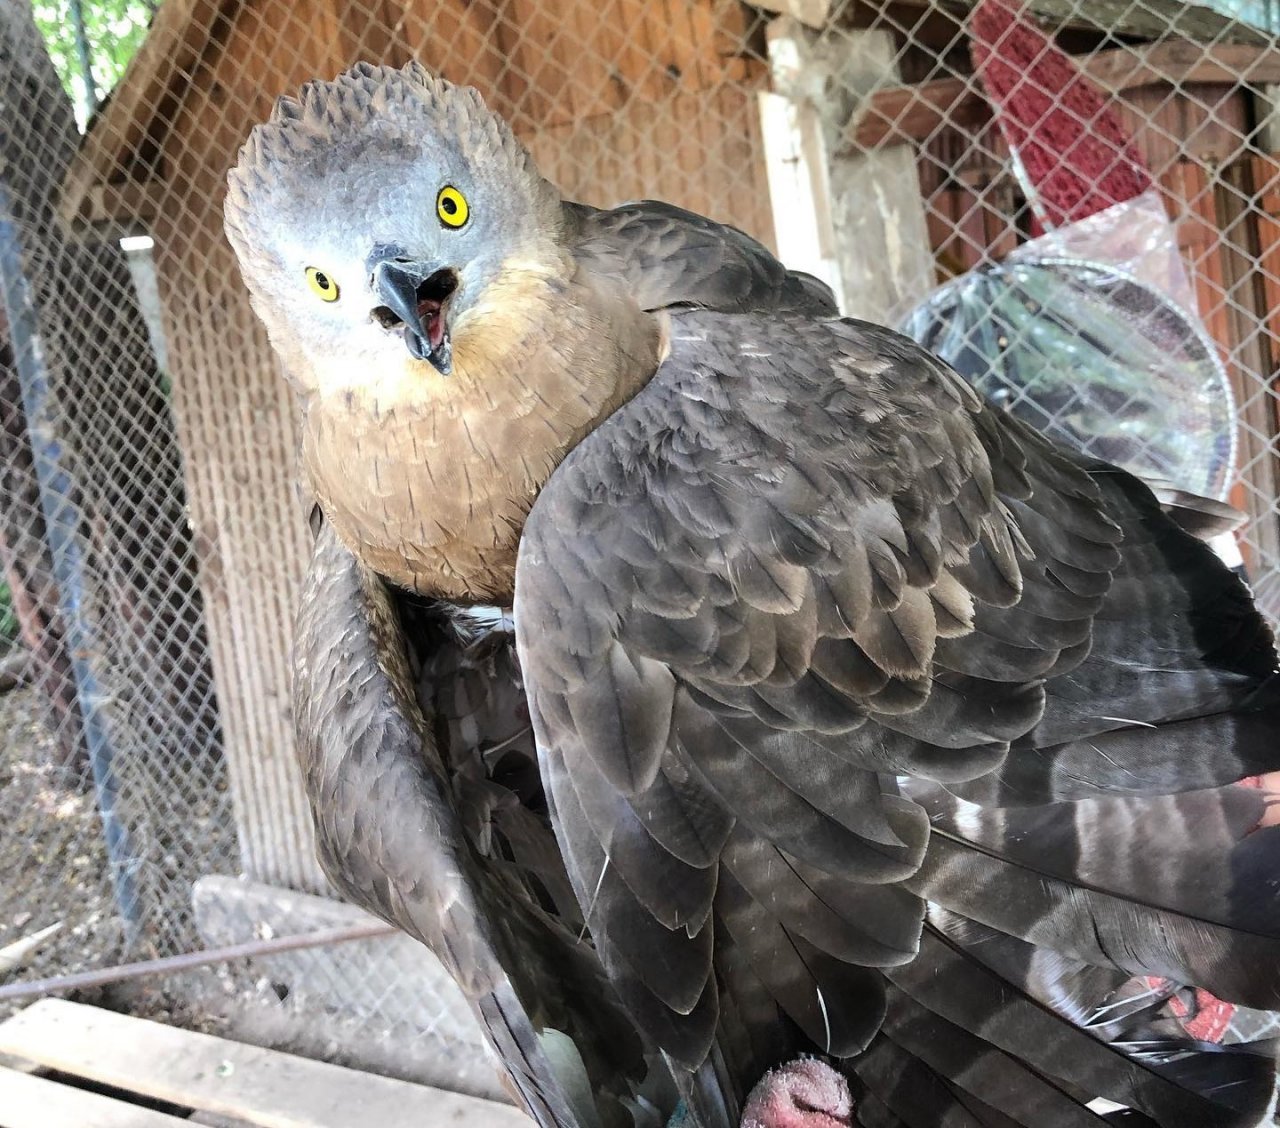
<point>853,136</point>
<point>189,961</point>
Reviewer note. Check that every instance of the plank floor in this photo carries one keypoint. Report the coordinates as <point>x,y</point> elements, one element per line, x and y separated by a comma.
<point>201,1074</point>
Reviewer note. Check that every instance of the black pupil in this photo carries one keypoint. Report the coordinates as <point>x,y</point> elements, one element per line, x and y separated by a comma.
<point>322,280</point>
<point>449,205</point>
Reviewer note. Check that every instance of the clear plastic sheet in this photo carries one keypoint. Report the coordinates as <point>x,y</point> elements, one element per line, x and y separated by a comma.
<point>1088,333</point>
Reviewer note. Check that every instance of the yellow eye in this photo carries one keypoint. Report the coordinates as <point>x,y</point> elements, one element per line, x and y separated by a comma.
<point>451,207</point>
<point>324,287</point>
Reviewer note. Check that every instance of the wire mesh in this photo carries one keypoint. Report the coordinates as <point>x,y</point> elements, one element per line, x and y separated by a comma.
<point>151,531</point>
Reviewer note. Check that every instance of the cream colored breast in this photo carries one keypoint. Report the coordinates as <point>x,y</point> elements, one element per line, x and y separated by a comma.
<point>429,478</point>
<point>433,502</point>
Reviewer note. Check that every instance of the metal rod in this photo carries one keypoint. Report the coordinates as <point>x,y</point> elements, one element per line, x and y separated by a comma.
<point>90,102</point>
<point>63,525</point>
<point>169,965</point>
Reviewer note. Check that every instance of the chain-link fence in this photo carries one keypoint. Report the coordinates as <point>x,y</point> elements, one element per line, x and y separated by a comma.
<point>1075,202</point>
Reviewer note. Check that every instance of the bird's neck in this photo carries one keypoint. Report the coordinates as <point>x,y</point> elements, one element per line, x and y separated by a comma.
<point>566,350</point>
<point>430,485</point>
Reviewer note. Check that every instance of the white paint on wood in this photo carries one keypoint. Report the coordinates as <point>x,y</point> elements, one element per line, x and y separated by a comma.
<point>801,222</point>
<point>869,202</point>
<point>263,1087</point>
<point>811,13</point>
<point>34,1102</point>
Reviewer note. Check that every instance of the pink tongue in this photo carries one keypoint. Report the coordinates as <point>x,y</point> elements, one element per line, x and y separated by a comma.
<point>435,330</point>
<point>801,1094</point>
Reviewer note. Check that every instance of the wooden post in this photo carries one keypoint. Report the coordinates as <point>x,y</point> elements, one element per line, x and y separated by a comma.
<point>855,218</point>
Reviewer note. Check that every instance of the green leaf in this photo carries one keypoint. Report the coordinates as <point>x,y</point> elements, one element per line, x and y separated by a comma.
<point>113,31</point>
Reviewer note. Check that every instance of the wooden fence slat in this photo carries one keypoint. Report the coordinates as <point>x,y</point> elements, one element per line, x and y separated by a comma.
<point>263,1087</point>
<point>34,1102</point>
<point>912,113</point>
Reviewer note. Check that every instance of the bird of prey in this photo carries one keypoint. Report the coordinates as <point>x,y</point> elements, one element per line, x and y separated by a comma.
<point>825,712</point>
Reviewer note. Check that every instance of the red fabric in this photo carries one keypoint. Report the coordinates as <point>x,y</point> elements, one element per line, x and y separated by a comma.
<point>1077,156</point>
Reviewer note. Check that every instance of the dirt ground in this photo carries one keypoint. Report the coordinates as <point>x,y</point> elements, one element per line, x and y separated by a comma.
<point>53,865</point>
<point>53,870</point>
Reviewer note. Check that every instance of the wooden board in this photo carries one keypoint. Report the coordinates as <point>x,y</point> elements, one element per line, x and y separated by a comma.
<point>261,1087</point>
<point>914,113</point>
<point>27,1101</point>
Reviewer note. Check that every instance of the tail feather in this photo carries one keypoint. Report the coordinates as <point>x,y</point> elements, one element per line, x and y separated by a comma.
<point>1160,886</point>
<point>988,983</point>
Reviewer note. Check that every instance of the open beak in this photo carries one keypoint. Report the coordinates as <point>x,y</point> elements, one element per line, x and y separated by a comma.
<point>416,297</point>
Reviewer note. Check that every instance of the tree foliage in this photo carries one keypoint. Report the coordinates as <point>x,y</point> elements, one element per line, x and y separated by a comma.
<point>113,31</point>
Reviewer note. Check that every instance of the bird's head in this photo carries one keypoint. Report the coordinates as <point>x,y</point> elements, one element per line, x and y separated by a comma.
<point>377,215</point>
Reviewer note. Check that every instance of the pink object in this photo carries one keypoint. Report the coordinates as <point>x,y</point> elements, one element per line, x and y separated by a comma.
<point>1076,156</point>
<point>1207,1020</point>
<point>805,1093</point>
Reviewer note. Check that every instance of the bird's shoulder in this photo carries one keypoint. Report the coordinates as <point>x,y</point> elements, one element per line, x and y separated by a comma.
<point>669,257</point>
<point>790,501</point>
<point>742,398</point>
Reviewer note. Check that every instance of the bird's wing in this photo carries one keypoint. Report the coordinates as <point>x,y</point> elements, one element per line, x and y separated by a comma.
<point>671,257</point>
<point>417,765</point>
<point>806,560</point>
<point>1205,517</point>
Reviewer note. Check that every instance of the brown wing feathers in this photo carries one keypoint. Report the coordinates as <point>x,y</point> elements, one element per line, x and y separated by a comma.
<point>874,575</point>
<point>804,562</point>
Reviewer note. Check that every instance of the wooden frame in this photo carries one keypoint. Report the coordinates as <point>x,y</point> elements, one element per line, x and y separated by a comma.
<point>911,113</point>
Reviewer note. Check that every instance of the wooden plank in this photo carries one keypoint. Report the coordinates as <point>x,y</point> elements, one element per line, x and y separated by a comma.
<point>1253,371</point>
<point>912,113</point>
<point>165,61</point>
<point>1151,19</point>
<point>868,215</point>
<point>1266,177</point>
<point>1218,247</point>
<point>239,443</point>
<point>236,423</point>
<point>263,1087</point>
<point>801,222</point>
<point>27,1101</point>
<point>1180,61</point>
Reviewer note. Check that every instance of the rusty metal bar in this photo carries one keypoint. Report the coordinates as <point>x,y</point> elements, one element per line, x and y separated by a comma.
<point>170,965</point>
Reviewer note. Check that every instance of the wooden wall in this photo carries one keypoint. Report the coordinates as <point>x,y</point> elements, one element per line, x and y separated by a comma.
<point>616,101</point>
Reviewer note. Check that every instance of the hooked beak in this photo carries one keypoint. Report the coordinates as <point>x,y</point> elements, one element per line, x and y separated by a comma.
<point>416,297</point>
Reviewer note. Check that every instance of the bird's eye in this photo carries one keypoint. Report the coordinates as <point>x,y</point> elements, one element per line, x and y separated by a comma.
<point>324,287</point>
<point>452,207</point>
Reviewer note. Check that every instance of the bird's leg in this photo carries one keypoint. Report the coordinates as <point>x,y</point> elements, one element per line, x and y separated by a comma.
<point>1269,783</point>
<point>805,1093</point>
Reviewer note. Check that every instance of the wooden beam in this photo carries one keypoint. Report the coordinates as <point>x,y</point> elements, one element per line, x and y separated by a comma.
<point>1181,61</point>
<point>797,190</point>
<point>179,35</point>
<point>1152,19</point>
<point>34,1102</point>
<point>811,13</point>
<point>912,113</point>
<point>857,218</point>
<point>259,1086</point>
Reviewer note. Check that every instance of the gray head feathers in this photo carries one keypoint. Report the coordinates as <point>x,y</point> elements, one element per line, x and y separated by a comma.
<point>368,102</point>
